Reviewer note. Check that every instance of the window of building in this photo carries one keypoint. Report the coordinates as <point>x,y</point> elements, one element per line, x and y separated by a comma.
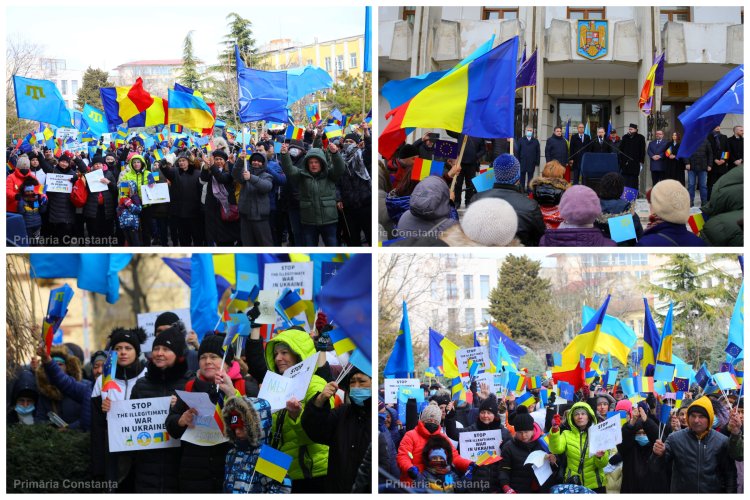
<point>486,318</point>
<point>667,14</point>
<point>451,287</point>
<point>63,86</point>
<point>489,13</point>
<point>452,319</point>
<point>435,289</point>
<point>469,320</point>
<point>484,287</point>
<point>309,62</point>
<point>353,60</point>
<point>595,113</point>
<point>74,86</point>
<point>328,64</point>
<point>408,14</point>
<point>339,63</point>
<point>451,261</point>
<point>468,286</point>
<point>586,13</point>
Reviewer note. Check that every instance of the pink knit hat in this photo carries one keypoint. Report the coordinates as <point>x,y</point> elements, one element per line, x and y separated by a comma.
<point>624,404</point>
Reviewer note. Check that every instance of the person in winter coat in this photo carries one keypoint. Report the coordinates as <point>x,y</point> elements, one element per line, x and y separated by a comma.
<point>116,467</point>
<point>392,425</point>
<point>632,156</point>
<point>720,154</point>
<point>438,474</point>
<point>39,166</point>
<point>547,190</point>
<point>516,476</point>
<point>675,168</point>
<point>137,172</point>
<point>247,425</point>
<point>429,211</point>
<point>62,389</point>
<point>99,210</point>
<point>670,209</point>
<point>725,211</point>
<point>345,430</point>
<point>277,217</point>
<point>409,457</point>
<point>473,154</point>
<point>638,437</point>
<point>489,222</point>
<point>60,207</point>
<point>579,208</point>
<point>24,396</point>
<point>580,144</point>
<point>316,180</point>
<point>354,189</point>
<point>603,403</point>
<point>697,168</point>
<point>528,152</point>
<point>201,468</point>
<point>255,206</point>
<point>156,471</point>
<point>15,181</point>
<point>32,206</point>
<point>556,148</point>
<point>487,420</point>
<point>128,212</point>
<point>185,200</point>
<point>698,456</point>
<point>507,177</point>
<point>221,222</point>
<point>574,444</point>
<point>610,190</point>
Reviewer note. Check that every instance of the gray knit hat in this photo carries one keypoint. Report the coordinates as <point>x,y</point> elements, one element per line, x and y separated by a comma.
<point>431,414</point>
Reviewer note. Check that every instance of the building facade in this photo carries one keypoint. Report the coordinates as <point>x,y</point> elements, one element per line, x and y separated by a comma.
<point>158,75</point>
<point>68,81</point>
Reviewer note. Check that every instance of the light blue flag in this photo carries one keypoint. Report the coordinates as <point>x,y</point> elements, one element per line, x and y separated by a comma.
<point>621,228</point>
<point>305,80</point>
<point>95,120</point>
<point>484,182</point>
<point>98,273</point>
<point>737,325</point>
<point>40,100</point>
<point>262,94</point>
<point>204,300</point>
<point>367,64</point>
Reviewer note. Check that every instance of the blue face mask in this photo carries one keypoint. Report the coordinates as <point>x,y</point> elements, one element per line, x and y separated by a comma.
<point>529,134</point>
<point>641,439</point>
<point>433,392</point>
<point>25,410</point>
<point>358,395</point>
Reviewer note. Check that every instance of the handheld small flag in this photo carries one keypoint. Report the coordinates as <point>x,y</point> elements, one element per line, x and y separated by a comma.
<point>295,132</point>
<point>733,350</point>
<point>665,413</point>
<point>218,418</point>
<point>108,373</point>
<point>291,303</point>
<point>446,149</point>
<point>726,381</point>
<point>527,399</point>
<point>423,168</point>
<point>341,341</point>
<point>550,360</point>
<point>725,155</point>
<point>696,222</point>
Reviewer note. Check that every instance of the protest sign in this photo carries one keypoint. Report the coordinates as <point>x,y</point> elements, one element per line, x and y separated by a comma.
<point>205,430</point>
<point>65,133</point>
<point>293,275</point>
<point>158,193</point>
<point>605,436</point>
<point>477,355</point>
<point>267,299</point>
<point>540,465</point>
<point>147,321</point>
<point>301,374</point>
<point>275,390</point>
<point>94,181</point>
<point>473,444</point>
<point>138,424</point>
<point>392,385</point>
<point>491,379</point>
<point>59,183</point>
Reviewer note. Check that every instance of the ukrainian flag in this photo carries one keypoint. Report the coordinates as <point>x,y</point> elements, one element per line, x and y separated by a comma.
<point>651,341</point>
<point>341,341</point>
<point>616,338</point>
<point>527,399</point>
<point>189,111</point>
<point>291,303</point>
<point>665,345</point>
<point>443,354</point>
<point>273,463</point>
<point>458,391</point>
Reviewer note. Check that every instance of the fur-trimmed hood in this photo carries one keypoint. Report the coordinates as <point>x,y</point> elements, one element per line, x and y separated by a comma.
<point>556,183</point>
<point>249,416</point>
<point>72,368</point>
<point>455,237</point>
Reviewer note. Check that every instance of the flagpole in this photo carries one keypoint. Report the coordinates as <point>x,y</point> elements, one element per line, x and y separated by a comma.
<point>458,161</point>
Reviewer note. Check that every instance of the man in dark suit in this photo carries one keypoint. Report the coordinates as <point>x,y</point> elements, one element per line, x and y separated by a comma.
<point>632,155</point>
<point>656,152</point>
<point>600,143</point>
<point>735,145</point>
<point>720,151</point>
<point>579,145</point>
<point>528,152</point>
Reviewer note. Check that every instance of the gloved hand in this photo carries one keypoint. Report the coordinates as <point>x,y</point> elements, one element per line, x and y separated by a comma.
<point>126,202</point>
<point>321,321</point>
<point>323,342</point>
<point>252,314</point>
<point>586,392</point>
<point>470,470</point>
<point>556,421</point>
<point>508,489</point>
<point>412,472</point>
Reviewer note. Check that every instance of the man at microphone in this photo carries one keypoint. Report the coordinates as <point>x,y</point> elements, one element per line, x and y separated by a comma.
<point>600,144</point>
<point>578,143</point>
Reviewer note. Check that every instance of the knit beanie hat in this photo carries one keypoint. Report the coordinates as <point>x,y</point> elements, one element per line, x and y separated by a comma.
<point>408,151</point>
<point>489,404</point>
<point>97,356</point>
<point>523,422</point>
<point>172,338</point>
<point>96,159</point>
<point>624,404</point>
<point>431,414</point>
<point>23,162</point>
<point>670,201</point>
<point>352,136</point>
<point>134,337</point>
<point>703,406</point>
<point>215,344</point>
<point>490,222</point>
<point>507,169</point>
<point>166,318</point>
<point>580,205</point>
<point>220,154</point>
<point>442,397</point>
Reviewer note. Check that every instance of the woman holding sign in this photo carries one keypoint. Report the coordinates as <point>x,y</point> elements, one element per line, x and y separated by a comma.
<point>156,471</point>
<point>99,210</point>
<point>582,469</point>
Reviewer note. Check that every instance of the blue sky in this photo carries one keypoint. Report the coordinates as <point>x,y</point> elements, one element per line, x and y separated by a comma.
<point>105,36</point>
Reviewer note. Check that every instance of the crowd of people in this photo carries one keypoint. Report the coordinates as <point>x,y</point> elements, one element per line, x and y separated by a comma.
<point>700,450</point>
<point>308,192</point>
<point>326,434</point>
<point>562,206</point>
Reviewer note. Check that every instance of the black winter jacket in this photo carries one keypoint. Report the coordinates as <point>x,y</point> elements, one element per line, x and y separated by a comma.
<point>514,472</point>
<point>530,223</point>
<point>637,475</point>
<point>110,200</point>
<point>184,191</point>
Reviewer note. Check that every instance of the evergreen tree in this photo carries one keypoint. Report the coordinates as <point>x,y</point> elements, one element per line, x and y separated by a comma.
<point>189,76</point>
<point>240,34</point>
<point>93,80</point>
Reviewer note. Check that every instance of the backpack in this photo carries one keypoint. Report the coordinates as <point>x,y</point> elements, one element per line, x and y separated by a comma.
<point>80,194</point>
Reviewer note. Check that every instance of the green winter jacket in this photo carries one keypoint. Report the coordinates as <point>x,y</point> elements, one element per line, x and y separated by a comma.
<point>294,441</point>
<point>724,210</point>
<point>317,194</point>
<point>140,178</point>
<point>571,442</point>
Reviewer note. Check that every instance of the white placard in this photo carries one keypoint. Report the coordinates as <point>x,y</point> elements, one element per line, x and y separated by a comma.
<point>392,385</point>
<point>275,389</point>
<point>205,430</point>
<point>473,444</point>
<point>293,275</point>
<point>267,299</point>
<point>539,417</point>
<point>301,374</point>
<point>158,193</point>
<point>479,355</point>
<point>93,181</point>
<point>139,424</point>
<point>605,436</point>
<point>59,183</point>
<point>65,133</point>
<point>148,320</point>
<point>540,465</point>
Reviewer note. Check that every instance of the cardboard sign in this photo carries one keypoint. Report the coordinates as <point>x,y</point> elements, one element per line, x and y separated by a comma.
<point>275,389</point>
<point>158,193</point>
<point>392,384</point>
<point>540,465</point>
<point>267,299</point>
<point>479,355</point>
<point>94,181</point>
<point>473,444</point>
<point>59,183</point>
<point>294,275</point>
<point>147,321</point>
<point>205,430</point>
<point>605,436</point>
<point>139,424</point>
<point>301,374</point>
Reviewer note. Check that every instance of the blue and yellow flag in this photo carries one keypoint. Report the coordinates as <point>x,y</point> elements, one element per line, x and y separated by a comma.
<point>291,303</point>
<point>40,100</point>
<point>189,111</point>
<point>341,341</point>
<point>651,341</point>
<point>665,345</point>
<point>95,120</point>
<point>273,463</point>
<point>401,361</point>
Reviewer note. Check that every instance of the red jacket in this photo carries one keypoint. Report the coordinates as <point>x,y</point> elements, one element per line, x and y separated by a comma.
<point>413,443</point>
<point>13,185</point>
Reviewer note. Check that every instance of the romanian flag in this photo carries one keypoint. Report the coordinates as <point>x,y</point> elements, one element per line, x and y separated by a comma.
<point>108,373</point>
<point>646,98</point>
<point>647,384</point>
<point>488,458</point>
<point>651,341</point>
<point>422,168</point>
<point>273,463</point>
<point>476,99</point>
<point>665,345</point>
<point>725,155</point>
<point>582,345</point>
<point>535,382</point>
<point>341,341</point>
<point>125,102</point>
<point>312,112</point>
<point>443,354</point>
<point>189,111</point>
<point>669,151</point>
<point>176,128</point>
<point>516,383</point>
<point>401,361</point>
<point>291,303</point>
<point>218,418</point>
<point>295,132</point>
